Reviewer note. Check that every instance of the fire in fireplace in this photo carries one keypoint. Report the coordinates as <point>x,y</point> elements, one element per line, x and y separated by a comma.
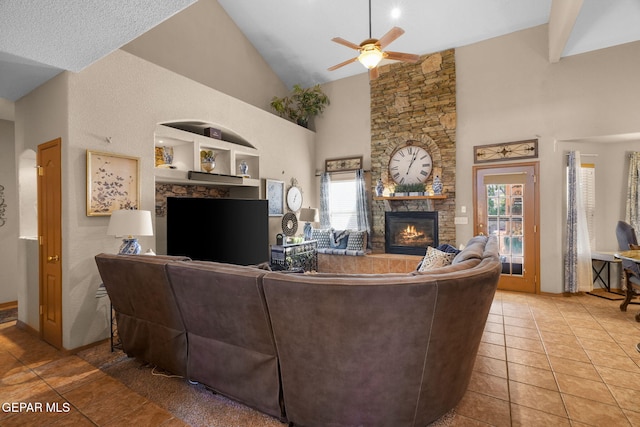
<point>410,232</point>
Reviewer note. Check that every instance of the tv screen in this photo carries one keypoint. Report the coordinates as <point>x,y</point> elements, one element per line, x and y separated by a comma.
<point>235,231</point>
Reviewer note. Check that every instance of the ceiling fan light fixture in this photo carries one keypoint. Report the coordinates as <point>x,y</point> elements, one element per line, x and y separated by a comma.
<point>370,56</point>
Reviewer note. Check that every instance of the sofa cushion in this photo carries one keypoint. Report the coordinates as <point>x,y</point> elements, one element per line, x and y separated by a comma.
<point>435,258</point>
<point>338,239</point>
<point>357,241</point>
<point>474,249</point>
<point>322,236</point>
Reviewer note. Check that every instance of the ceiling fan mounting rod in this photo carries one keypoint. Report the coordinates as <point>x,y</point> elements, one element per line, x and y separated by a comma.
<point>369,18</point>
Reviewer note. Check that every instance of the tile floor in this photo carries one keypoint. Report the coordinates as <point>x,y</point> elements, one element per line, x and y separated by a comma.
<point>543,360</point>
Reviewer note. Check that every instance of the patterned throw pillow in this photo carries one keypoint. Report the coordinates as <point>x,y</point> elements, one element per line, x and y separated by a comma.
<point>357,241</point>
<point>322,236</point>
<point>435,258</point>
<point>338,238</point>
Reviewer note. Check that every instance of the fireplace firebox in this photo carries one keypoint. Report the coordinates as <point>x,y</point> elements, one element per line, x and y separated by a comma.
<point>410,232</point>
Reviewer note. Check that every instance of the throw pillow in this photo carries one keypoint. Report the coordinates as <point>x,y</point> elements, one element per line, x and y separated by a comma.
<point>322,236</point>
<point>338,238</point>
<point>435,258</point>
<point>357,241</point>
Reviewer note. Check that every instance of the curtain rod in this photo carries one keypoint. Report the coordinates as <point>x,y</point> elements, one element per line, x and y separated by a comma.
<point>585,155</point>
<point>336,172</point>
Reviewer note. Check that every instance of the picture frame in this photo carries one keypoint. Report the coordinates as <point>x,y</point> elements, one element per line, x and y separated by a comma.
<point>343,164</point>
<point>516,150</point>
<point>113,182</point>
<point>274,191</point>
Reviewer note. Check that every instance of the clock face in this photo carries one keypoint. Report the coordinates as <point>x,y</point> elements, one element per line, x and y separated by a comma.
<point>410,165</point>
<point>294,199</point>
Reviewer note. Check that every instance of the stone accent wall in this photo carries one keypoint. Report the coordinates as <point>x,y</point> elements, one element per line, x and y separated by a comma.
<point>415,102</point>
<point>175,190</point>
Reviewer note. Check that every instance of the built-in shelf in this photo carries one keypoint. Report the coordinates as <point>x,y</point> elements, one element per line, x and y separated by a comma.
<point>185,167</point>
<point>439,197</point>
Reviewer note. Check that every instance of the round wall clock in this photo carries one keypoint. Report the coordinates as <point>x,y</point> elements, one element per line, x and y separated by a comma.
<point>410,164</point>
<point>294,198</point>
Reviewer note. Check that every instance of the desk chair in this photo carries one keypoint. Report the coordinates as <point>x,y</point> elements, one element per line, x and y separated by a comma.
<point>627,240</point>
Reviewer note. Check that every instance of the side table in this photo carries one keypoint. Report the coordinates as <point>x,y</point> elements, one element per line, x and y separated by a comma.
<point>296,256</point>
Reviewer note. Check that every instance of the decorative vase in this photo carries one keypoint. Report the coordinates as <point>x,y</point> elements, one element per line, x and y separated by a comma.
<point>379,188</point>
<point>207,166</point>
<point>244,168</point>
<point>437,186</point>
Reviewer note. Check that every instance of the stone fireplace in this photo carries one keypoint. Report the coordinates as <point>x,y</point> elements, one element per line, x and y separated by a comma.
<point>410,232</point>
<point>415,102</point>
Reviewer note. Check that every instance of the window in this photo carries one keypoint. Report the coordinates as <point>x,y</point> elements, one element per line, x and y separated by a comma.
<point>342,202</point>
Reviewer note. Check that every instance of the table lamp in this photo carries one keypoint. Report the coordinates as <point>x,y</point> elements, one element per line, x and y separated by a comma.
<point>128,222</point>
<point>308,215</point>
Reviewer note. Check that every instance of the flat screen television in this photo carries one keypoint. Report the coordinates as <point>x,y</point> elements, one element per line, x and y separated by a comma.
<point>235,231</point>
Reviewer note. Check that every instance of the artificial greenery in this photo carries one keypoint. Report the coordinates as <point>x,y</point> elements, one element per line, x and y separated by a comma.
<point>301,104</point>
<point>409,188</point>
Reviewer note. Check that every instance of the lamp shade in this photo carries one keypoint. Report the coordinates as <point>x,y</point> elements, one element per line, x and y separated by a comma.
<point>309,215</point>
<point>370,56</point>
<point>128,222</point>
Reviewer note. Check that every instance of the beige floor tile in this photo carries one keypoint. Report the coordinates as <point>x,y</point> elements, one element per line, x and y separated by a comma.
<point>619,378</point>
<point>524,344</point>
<point>495,318</point>
<point>489,385</point>
<point>594,413</point>
<point>493,338</point>
<point>602,346</point>
<point>492,350</point>
<point>75,419</point>
<point>491,366</point>
<point>537,398</point>
<point>581,387</point>
<point>533,376</point>
<point>519,321</point>
<point>555,327</point>
<point>68,373</point>
<point>626,398</point>
<point>591,333</point>
<point>484,408</point>
<point>572,367</point>
<point>528,417</point>
<point>568,352</point>
<point>519,331</point>
<point>623,363</point>
<point>494,327</point>
<point>633,417</point>
<point>551,337</point>
<point>9,365</point>
<point>529,358</point>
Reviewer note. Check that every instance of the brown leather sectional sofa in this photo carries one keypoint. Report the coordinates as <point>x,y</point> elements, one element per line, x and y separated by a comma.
<point>311,349</point>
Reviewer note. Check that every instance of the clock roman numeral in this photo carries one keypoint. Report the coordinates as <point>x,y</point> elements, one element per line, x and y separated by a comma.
<point>424,157</point>
<point>426,165</point>
<point>396,175</point>
<point>394,168</point>
<point>401,153</point>
<point>423,173</point>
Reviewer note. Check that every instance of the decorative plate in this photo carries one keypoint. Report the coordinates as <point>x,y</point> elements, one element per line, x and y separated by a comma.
<point>289,224</point>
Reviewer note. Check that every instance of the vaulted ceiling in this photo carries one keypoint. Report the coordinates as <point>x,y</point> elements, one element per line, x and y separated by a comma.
<point>39,39</point>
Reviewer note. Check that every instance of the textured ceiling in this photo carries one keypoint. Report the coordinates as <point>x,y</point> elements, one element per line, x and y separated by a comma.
<point>39,39</point>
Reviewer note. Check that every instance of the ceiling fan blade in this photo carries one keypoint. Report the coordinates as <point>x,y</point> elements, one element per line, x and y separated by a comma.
<point>400,56</point>
<point>342,64</point>
<point>346,43</point>
<point>391,35</point>
<point>373,73</point>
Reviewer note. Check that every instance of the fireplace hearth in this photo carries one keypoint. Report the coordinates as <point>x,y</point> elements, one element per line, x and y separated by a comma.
<point>410,232</point>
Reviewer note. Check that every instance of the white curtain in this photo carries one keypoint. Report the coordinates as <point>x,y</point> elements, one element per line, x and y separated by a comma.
<point>633,191</point>
<point>362,205</point>
<point>577,263</point>
<point>325,208</point>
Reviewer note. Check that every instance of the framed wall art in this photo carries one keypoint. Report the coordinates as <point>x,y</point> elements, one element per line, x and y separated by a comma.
<point>274,190</point>
<point>516,150</point>
<point>344,164</point>
<point>113,182</point>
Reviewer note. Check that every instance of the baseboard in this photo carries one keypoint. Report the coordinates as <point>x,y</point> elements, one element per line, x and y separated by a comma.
<point>10,304</point>
<point>21,325</point>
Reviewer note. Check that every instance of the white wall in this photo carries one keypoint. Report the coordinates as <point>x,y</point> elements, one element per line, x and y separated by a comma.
<point>507,91</point>
<point>123,97</point>
<point>10,230</point>
<point>204,44</point>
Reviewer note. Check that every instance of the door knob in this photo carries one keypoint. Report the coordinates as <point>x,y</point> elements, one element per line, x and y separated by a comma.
<point>54,258</point>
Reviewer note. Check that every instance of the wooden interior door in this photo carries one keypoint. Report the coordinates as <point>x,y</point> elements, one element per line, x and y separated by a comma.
<point>506,204</point>
<point>50,239</point>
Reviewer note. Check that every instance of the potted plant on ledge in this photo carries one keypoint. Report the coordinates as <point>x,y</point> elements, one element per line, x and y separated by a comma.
<point>301,105</point>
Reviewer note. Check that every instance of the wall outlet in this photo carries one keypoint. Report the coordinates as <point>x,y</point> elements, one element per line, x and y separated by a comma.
<point>461,220</point>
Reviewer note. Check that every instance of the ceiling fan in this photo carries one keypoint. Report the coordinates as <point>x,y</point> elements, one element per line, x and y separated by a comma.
<point>371,50</point>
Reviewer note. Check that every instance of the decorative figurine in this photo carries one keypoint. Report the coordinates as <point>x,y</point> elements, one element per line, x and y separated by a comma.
<point>437,186</point>
<point>379,188</point>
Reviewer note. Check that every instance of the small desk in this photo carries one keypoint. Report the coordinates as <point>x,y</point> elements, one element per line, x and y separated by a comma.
<point>606,258</point>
